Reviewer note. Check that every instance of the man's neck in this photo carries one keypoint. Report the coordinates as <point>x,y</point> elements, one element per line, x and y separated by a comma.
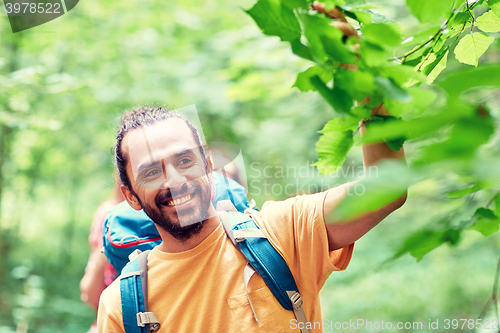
<point>172,245</point>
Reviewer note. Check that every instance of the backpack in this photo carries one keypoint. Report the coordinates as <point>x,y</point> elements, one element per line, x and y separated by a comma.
<point>247,237</point>
<point>126,229</point>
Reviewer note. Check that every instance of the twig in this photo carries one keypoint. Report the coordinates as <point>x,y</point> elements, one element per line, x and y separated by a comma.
<point>493,297</point>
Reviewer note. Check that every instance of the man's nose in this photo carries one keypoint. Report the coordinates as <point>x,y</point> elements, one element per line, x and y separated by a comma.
<point>173,177</point>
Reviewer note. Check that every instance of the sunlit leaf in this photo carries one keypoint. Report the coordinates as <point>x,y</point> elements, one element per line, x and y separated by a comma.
<point>488,22</point>
<point>436,67</point>
<point>472,47</point>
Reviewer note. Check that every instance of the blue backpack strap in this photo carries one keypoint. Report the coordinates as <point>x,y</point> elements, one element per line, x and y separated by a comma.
<point>133,292</point>
<point>266,260</point>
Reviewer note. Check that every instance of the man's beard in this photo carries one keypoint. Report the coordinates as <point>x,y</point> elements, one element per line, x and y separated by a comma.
<point>193,218</point>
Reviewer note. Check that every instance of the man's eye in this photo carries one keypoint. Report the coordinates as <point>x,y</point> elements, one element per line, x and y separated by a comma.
<point>152,173</point>
<point>185,161</point>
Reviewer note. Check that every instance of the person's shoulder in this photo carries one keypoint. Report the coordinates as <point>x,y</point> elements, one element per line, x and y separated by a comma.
<point>109,317</point>
<point>111,298</point>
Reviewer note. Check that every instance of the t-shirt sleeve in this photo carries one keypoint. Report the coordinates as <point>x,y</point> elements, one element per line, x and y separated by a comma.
<point>109,312</point>
<point>297,229</point>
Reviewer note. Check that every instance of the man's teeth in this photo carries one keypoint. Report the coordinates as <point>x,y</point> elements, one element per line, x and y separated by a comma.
<point>179,201</point>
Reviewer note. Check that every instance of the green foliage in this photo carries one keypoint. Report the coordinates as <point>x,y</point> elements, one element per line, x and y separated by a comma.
<point>487,222</point>
<point>472,47</point>
<point>334,144</point>
<point>450,131</point>
<point>488,22</point>
<point>276,19</point>
<point>429,10</point>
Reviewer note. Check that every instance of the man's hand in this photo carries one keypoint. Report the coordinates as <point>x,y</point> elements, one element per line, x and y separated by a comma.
<point>339,19</point>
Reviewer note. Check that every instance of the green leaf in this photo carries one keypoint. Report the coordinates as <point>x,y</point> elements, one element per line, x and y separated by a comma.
<point>465,137</point>
<point>275,19</point>
<point>436,67</point>
<point>382,34</point>
<point>421,99</point>
<point>333,146</point>
<point>342,124</point>
<point>372,54</point>
<point>497,205</point>
<point>359,83</point>
<point>430,10</point>
<point>391,90</point>
<point>422,36</point>
<point>457,82</point>
<point>402,74</point>
<point>460,193</point>
<point>384,183</point>
<point>325,40</point>
<point>329,4</point>
<point>471,48</point>
<point>423,242</point>
<point>301,50</point>
<point>339,99</point>
<point>293,4</point>
<point>303,82</point>
<point>488,22</point>
<point>460,18</point>
<point>393,143</point>
<point>419,126</point>
<point>487,222</point>
<point>495,6</point>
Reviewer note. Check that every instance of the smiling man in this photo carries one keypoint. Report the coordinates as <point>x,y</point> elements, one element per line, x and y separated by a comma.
<point>194,275</point>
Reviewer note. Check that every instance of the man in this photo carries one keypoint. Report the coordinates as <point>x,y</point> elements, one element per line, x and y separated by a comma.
<point>194,275</point>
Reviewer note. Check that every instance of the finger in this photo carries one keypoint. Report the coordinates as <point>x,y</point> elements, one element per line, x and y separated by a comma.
<point>333,13</point>
<point>346,28</point>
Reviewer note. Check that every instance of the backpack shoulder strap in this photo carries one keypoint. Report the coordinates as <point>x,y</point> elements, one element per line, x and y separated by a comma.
<point>264,259</point>
<point>134,296</point>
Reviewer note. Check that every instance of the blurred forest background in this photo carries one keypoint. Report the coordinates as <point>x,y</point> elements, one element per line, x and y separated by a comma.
<point>63,86</point>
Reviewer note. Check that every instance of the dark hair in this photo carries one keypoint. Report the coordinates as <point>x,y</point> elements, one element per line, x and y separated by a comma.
<point>145,116</point>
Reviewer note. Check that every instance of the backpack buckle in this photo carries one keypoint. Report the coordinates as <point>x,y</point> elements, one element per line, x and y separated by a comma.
<point>296,301</point>
<point>145,318</point>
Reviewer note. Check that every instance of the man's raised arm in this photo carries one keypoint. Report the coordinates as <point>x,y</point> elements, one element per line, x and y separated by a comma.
<point>342,233</point>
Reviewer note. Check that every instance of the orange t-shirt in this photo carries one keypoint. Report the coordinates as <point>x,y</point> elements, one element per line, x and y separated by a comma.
<point>202,289</point>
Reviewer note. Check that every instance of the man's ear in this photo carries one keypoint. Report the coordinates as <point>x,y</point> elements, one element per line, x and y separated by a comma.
<point>210,163</point>
<point>131,198</point>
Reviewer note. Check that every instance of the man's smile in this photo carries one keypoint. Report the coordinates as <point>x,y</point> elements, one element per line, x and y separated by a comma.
<point>179,200</point>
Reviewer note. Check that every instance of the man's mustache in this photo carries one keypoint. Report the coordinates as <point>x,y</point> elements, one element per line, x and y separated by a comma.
<point>170,193</point>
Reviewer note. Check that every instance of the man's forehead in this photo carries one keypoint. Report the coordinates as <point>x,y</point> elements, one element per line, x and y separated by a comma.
<point>159,140</point>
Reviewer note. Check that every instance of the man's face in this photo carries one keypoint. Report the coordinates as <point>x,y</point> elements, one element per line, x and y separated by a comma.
<point>169,176</point>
